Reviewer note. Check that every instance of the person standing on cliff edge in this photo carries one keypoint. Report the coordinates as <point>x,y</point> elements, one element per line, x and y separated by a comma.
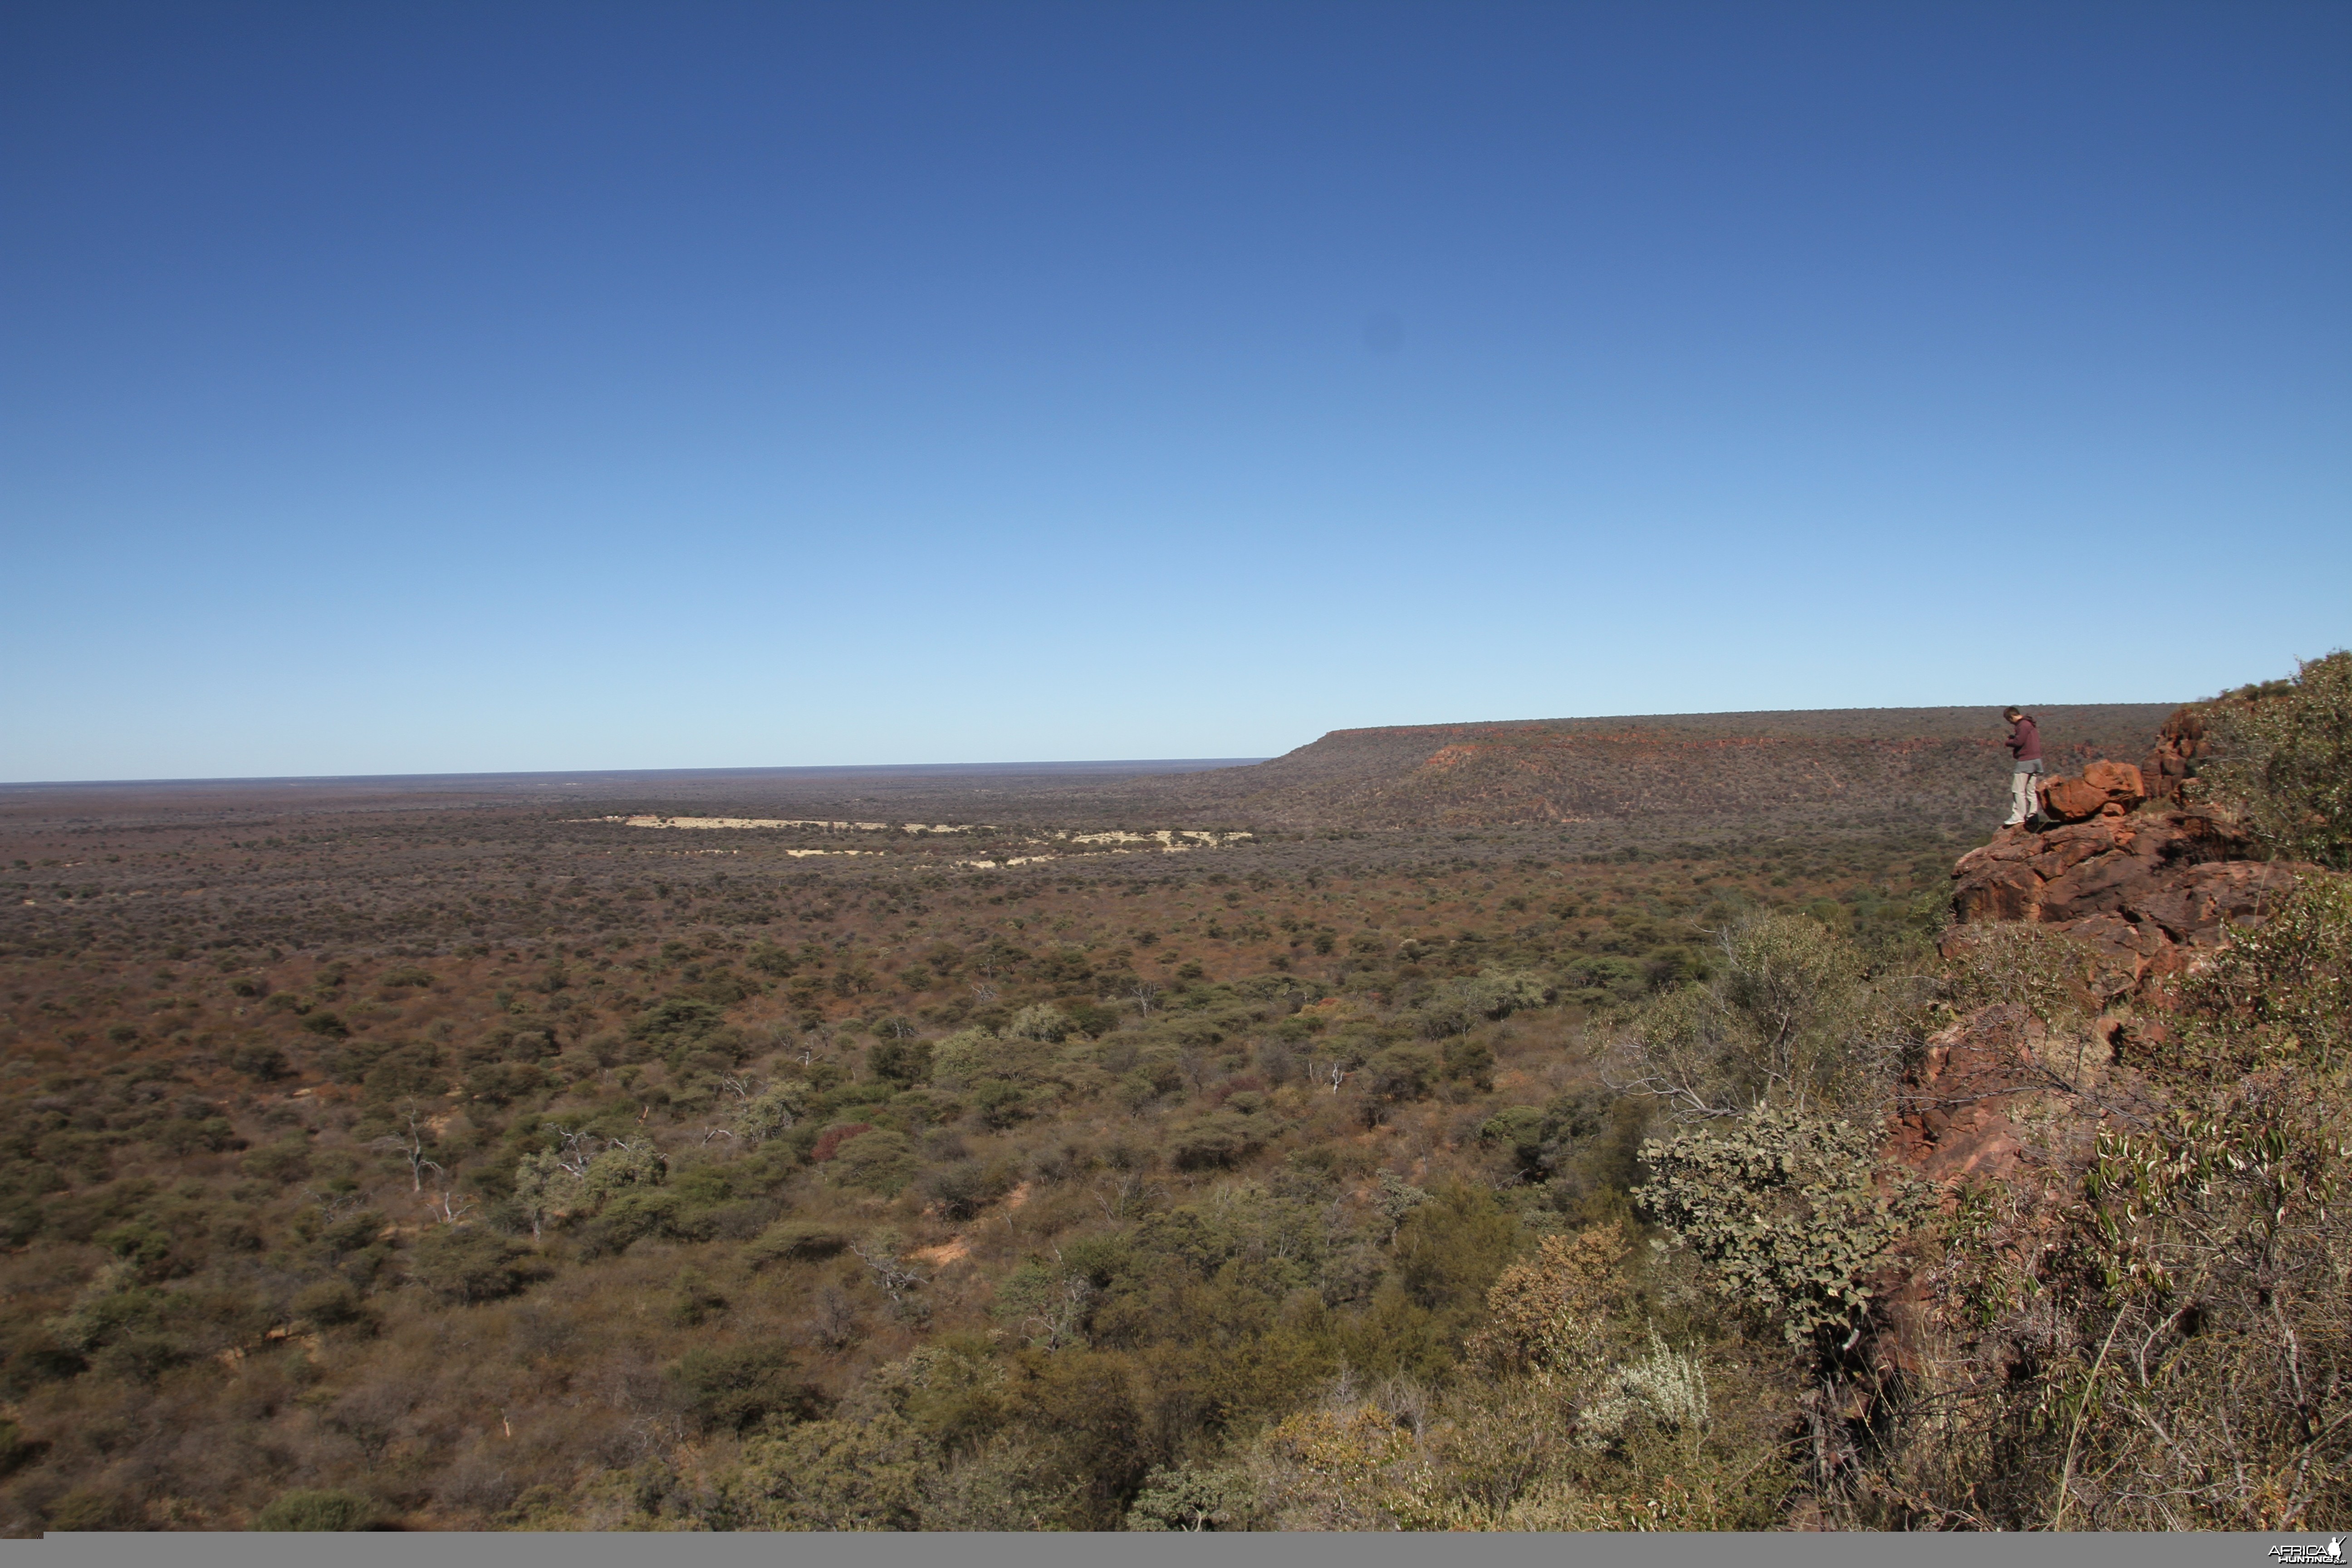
<point>2025,746</point>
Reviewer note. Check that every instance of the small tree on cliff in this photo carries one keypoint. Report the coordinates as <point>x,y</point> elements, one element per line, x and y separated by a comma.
<point>2286,765</point>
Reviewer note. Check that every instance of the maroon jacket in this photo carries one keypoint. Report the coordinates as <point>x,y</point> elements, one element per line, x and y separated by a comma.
<point>2025,740</point>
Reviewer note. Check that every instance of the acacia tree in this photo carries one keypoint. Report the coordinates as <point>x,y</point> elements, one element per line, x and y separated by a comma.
<point>411,1146</point>
<point>580,1172</point>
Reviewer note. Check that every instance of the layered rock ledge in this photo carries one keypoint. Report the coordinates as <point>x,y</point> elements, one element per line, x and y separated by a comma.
<point>2142,886</point>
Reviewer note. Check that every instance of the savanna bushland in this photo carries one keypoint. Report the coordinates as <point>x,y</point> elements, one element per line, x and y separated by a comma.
<point>1515,1127</point>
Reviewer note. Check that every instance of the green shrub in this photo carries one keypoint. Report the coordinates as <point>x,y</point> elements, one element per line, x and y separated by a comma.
<point>773,1111</point>
<point>308,1509</point>
<point>1042,1021</point>
<point>330,1303</point>
<point>960,1189</point>
<point>1448,1251</point>
<point>1221,1138</point>
<point>624,1166</point>
<point>462,1263</point>
<point>2207,1297</point>
<point>141,1356</point>
<point>904,1062</point>
<point>1090,1020</point>
<point>1787,1018</point>
<point>2285,767</point>
<point>741,1388</point>
<point>1194,1499</point>
<point>635,1214</point>
<point>1400,1074</point>
<point>794,1239</point>
<point>404,1070</point>
<point>829,1475</point>
<point>2053,974</point>
<point>879,1161</point>
<point>502,1083</point>
<point>1518,1131</point>
<point>1472,1061</point>
<point>1459,1005</point>
<point>82,1509</point>
<point>16,1450</point>
<point>774,961</point>
<point>1000,1104</point>
<point>965,1056</point>
<point>2282,992</point>
<point>677,1023</point>
<point>260,1060</point>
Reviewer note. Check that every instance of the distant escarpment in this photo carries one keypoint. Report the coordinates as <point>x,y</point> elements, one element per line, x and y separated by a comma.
<point>1842,767</point>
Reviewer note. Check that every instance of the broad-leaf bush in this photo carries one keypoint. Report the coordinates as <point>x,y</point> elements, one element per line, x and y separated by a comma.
<point>1793,1211</point>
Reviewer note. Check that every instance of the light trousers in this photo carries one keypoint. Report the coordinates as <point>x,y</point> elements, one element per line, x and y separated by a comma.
<point>2023,803</point>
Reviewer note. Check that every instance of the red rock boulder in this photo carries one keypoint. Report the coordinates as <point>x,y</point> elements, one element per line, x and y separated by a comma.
<point>2198,903</point>
<point>2121,781</point>
<point>2072,800</point>
<point>2096,887</point>
<point>1995,882</point>
<point>2105,788</point>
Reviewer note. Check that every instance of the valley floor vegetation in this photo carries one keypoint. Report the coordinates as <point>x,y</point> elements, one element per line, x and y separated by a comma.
<point>484,1170</point>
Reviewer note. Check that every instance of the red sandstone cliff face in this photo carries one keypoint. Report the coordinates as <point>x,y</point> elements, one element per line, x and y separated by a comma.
<point>2002,1099</point>
<point>2145,890</point>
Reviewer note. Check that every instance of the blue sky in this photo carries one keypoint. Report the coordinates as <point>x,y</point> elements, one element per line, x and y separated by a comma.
<point>425,388</point>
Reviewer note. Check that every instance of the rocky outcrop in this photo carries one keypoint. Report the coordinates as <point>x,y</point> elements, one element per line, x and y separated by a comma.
<point>2006,1103</point>
<point>2192,737</point>
<point>2141,887</point>
<point>2178,746</point>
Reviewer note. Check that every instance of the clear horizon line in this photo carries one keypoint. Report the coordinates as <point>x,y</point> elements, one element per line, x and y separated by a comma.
<point>1145,764</point>
<point>1141,764</point>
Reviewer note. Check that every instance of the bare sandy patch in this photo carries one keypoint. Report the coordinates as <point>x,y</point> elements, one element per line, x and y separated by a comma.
<point>650,820</point>
<point>954,1249</point>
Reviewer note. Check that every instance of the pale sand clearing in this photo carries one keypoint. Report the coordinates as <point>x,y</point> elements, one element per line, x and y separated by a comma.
<point>1166,840</point>
<point>1167,837</point>
<point>653,821</point>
